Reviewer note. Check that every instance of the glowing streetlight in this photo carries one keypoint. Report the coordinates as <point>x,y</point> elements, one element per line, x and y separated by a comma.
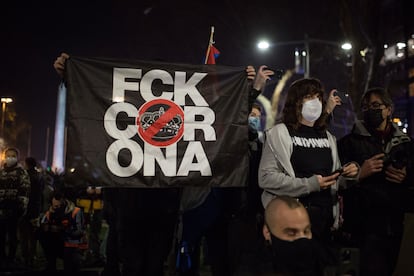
<point>346,46</point>
<point>401,45</point>
<point>263,45</point>
<point>4,102</point>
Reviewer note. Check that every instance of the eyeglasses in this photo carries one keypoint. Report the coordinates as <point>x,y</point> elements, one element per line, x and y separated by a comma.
<point>374,105</point>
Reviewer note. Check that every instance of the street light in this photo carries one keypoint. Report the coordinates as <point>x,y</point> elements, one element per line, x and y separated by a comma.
<point>346,46</point>
<point>305,54</point>
<point>4,102</point>
<point>263,45</point>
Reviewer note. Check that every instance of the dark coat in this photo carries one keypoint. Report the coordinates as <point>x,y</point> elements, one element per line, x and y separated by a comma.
<point>376,204</point>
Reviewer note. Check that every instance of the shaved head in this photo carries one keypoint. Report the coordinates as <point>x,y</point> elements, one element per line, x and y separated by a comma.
<point>287,219</point>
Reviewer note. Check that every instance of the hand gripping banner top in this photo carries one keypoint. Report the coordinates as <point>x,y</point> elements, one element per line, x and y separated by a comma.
<point>155,125</point>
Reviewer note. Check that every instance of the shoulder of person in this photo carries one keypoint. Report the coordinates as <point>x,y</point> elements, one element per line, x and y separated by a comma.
<point>278,127</point>
<point>278,130</point>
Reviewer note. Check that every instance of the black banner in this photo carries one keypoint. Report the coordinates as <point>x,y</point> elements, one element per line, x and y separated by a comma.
<point>151,124</point>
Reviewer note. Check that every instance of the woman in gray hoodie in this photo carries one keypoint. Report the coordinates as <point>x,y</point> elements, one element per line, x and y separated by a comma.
<point>300,158</point>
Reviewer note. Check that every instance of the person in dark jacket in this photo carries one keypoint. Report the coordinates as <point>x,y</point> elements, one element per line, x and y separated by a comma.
<point>63,234</point>
<point>374,209</point>
<point>14,196</point>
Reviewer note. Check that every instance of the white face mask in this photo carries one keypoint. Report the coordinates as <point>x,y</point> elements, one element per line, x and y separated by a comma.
<point>11,161</point>
<point>312,110</point>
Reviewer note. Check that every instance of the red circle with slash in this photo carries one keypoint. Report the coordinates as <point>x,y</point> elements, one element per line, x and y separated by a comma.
<point>160,122</point>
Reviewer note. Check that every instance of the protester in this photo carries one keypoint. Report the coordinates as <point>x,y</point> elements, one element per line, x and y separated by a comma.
<point>63,234</point>
<point>289,247</point>
<point>374,209</point>
<point>288,230</point>
<point>247,219</point>
<point>254,205</point>
<point>14,197</point>
<point>300,158</point>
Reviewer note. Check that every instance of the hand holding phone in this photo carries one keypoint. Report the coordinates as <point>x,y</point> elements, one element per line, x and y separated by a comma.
<point>278,73</point>
<point>340,171</point>
<point>343,96</point>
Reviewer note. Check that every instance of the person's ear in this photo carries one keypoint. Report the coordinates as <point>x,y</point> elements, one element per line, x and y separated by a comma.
<point>266,233</point>
<point>389,111</point>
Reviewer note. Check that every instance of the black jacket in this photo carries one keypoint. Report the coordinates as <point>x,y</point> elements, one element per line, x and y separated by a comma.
<point>374,201</point>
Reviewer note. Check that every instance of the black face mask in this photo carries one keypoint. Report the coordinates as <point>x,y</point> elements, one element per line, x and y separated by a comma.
<point>298,257</point>
<point>373,118</point>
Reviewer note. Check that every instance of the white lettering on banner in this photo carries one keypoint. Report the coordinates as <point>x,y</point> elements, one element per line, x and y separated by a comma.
<point>194,150</point>
<point>160,123</point>
<point>146,85</point>
<point>120,85</point>
<point>110,121</point>
<point>167,163</point>
<point>112,157</point>
<point>182,88</point>
<point>206,125</point>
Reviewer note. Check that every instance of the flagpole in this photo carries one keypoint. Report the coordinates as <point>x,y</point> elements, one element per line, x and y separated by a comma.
<point>209,44</point>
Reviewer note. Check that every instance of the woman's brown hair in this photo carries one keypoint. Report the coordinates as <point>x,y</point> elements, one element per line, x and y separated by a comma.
<point>292,111</point>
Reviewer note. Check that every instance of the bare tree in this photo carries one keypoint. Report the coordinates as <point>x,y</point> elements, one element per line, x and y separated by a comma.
<point>359,22</point>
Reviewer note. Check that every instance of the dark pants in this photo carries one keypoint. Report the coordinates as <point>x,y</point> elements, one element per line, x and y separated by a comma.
<point>211,220</point>
<point>374,219</point>
<point>146,223</point>
<point>379,251</point>
<point>110,214</point>
<point>321,220</point>
<point>111,267</point>
<point>53,247</point>
<point>94,219</point>
<point>379,255</point>
<point>28,240</point>
<point>8,239</point>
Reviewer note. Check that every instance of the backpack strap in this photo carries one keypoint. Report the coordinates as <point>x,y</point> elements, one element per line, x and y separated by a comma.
<point>75,211</point>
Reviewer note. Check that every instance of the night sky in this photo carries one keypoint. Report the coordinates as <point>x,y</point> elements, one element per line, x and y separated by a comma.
<point>33,35</point>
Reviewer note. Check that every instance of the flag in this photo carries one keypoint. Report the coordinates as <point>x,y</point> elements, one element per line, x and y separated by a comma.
<point>156,125</point>
<point>212,54</point>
